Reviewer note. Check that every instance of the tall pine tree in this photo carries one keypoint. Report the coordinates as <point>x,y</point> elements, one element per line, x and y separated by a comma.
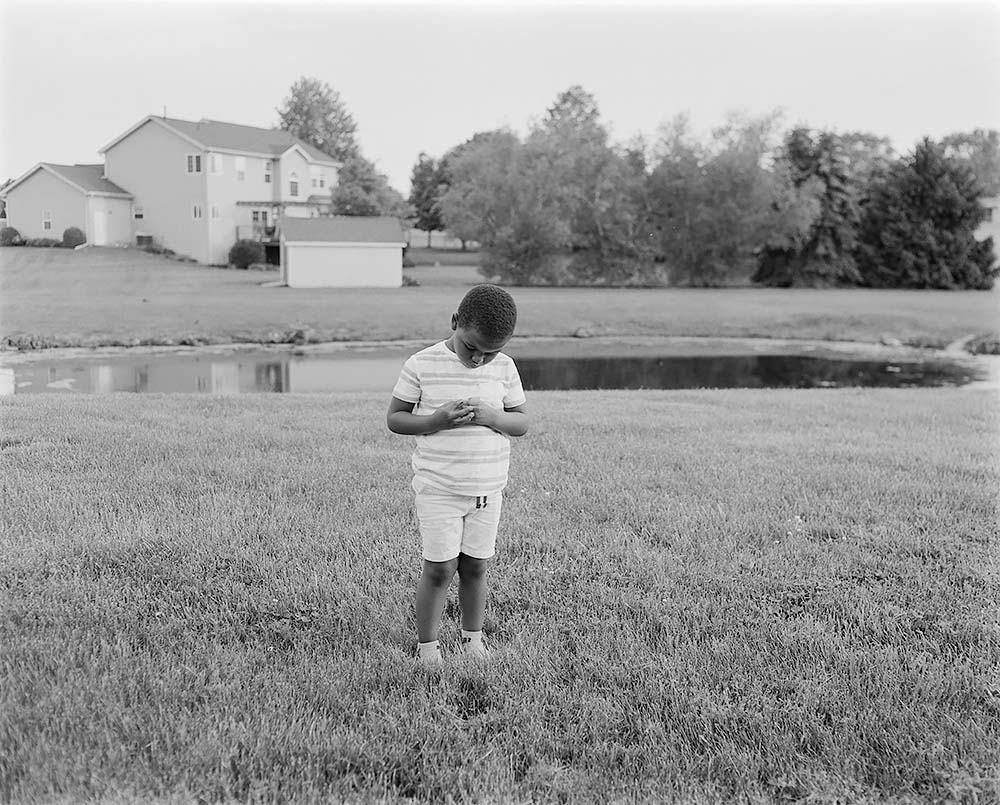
<point>825,254</point>
<point>918,226</point>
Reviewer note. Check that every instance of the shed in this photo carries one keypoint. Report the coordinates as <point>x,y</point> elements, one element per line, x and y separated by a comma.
<point>341,251</point>
<point>49,198</point>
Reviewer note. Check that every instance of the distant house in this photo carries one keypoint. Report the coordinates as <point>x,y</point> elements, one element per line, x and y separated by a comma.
<point>341,251</point>
<point>46,200</point>
<point>200,186</point>
<point>193,187</point>
<point>990,225</point>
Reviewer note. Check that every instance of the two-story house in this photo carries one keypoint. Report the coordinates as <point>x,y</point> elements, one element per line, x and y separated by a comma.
<point>193,187</point>
<point>199,186</point>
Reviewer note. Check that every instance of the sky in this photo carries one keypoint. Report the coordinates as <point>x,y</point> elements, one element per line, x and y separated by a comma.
<point>424,77</point>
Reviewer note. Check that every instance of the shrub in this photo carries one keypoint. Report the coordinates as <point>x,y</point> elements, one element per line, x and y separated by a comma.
<point>10,237</point>
<point>73,237</point>
<point>245,252</point>
<point>44,243</point>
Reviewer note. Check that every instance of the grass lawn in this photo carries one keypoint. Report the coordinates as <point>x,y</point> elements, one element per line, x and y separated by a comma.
<point>752,596</point>
<point>107,297</point>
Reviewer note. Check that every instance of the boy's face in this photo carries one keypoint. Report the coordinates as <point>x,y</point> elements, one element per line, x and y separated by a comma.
<point>471,347</point>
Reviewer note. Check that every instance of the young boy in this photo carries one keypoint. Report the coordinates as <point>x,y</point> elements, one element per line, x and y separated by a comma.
<point>462,399</point>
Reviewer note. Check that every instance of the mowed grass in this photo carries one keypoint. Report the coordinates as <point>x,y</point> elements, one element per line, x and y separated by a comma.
<point>752,596</point>
<point>107,297</point>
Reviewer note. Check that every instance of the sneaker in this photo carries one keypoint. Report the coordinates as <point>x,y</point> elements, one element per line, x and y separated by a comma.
<point>432,661</point>
<point>474,649</point>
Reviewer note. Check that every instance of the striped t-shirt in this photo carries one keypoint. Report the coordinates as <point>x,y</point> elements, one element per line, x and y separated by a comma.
<point>472,459</point>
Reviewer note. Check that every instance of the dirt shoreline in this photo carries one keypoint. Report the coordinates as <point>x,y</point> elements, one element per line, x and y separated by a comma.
<point>528,346</point>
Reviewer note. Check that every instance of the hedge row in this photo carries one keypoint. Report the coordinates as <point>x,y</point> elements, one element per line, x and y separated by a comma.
<point>72,237</point>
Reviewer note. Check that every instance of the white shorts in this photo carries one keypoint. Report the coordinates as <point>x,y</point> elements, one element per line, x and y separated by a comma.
<point>454,524</point>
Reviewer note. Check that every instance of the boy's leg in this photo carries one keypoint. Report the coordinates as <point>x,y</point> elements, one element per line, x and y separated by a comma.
<point>472,591</point>
<point>432,591</point>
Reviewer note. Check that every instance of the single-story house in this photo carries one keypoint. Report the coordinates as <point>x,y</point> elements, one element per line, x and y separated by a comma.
<point>990,225</point>
<point>61,196</point>
<point>341,251</point>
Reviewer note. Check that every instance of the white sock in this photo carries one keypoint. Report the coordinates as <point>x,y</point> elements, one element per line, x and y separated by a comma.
<point>472,637</point>
<point>429,649</point>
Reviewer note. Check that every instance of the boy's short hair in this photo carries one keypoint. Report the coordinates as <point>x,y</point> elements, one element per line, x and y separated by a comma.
<point>490,310</point>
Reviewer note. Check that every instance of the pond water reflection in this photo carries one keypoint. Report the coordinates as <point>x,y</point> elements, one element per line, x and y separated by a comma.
<point>248,372</point>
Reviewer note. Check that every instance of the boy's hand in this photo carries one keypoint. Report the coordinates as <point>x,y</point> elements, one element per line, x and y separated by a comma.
<point>484,413</point>
<point>454,414</point>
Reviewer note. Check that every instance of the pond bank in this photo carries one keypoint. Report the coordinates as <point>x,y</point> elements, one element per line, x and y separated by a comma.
<point>546,362</point>
<point>527,346</point>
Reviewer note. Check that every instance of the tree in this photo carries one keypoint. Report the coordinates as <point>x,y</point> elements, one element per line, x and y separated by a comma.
<point>868,157</point>
<point>918,227</point>
<point>426,188</point>
<point>825,256</point>
<point>571,146</point>
<point>980,151</point>
<point>460,224</point>
<point>314,112</point>
<point>712,202</point>
<point>499,196</point>
<point>362,190</point>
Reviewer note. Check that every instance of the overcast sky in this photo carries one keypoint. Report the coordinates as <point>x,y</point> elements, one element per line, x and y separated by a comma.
<point>425,77</point>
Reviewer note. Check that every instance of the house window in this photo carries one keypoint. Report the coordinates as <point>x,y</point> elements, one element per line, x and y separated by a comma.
<point>215,211</point>
<point>137,212</point>
<point>241,168</point>
<point>196,211</point>
<point>293,185</point>
<point>46,220</point>
<point>267,172</point>
<point>255,217</point>
<point>215,163</point>
<point>322,180</point>
<point>194,163</point>
<point>989,217</point>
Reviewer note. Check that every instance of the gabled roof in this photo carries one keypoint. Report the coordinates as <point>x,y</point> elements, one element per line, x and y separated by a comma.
<point>88,179</point>
<point>342,229</point>
<point>209,134</point>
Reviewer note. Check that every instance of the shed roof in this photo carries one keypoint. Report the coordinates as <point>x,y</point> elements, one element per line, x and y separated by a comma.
<point>342,229</point>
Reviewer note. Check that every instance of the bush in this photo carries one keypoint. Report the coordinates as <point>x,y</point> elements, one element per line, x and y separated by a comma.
<point>73,237</point>
<point>245,252</point>
<point>44,243</point>
<point>10,237</point>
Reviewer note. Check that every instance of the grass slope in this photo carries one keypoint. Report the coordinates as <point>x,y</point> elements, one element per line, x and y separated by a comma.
<point>108,297</point>
<point>699,596</point>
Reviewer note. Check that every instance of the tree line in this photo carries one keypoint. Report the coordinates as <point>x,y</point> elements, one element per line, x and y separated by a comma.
<point>565,205</point>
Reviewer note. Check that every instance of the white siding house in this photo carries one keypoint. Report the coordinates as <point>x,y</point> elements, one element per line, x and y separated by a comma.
<point>203,185</point>
<point>49,198</point>
<point>341,252</point>
<point>990,225</point>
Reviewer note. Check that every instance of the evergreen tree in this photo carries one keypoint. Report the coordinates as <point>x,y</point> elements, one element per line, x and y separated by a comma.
<point>918,227</point>
<point>819,171</point>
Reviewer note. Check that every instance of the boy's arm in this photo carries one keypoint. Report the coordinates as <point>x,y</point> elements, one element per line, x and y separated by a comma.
<point>401,418</point>
<point>511,421</point>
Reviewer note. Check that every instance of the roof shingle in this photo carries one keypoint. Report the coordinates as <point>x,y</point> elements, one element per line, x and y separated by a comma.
<point>89,177</point>
<point>215,134</point>
<point>342,229</point>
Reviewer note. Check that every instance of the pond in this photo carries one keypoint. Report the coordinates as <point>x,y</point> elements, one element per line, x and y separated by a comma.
<point>544,365</point>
